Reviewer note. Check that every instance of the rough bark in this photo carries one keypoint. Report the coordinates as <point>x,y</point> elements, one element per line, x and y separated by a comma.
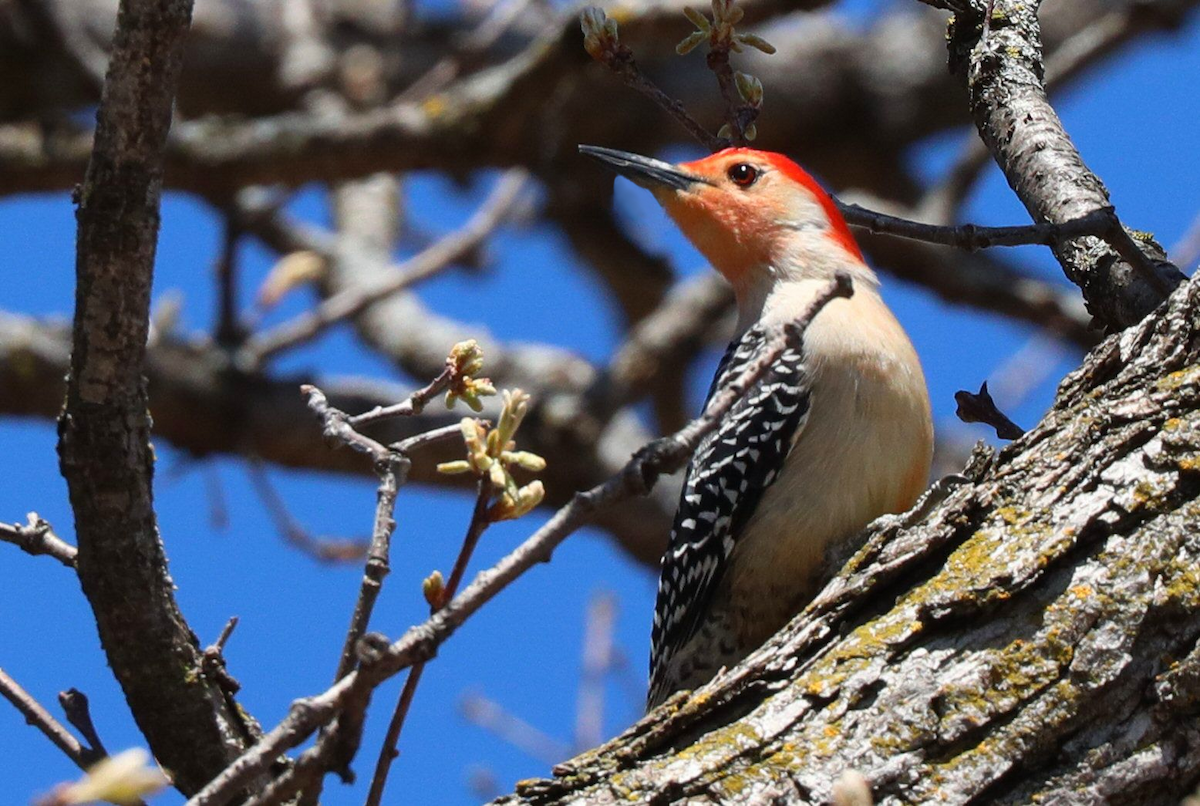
<point>104,432</point>
<point>1001,59</point>
<point>1031,638</point>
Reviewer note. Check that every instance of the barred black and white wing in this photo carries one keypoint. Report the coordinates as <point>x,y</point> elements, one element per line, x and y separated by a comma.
<point>731,469</point>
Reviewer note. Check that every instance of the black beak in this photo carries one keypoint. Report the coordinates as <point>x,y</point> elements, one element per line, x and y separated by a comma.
<point>649,173</point>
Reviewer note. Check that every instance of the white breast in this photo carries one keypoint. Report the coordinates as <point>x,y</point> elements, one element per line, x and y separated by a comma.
<point>864,451</point>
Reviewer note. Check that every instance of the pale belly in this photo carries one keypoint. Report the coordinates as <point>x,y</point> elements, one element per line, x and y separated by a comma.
<point>864,452</point>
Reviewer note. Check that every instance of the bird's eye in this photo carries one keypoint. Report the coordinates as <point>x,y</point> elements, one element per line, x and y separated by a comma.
<point>743,174</point>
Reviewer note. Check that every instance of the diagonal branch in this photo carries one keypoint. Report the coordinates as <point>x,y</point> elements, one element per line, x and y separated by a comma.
<point>41,719</point>
<point>1121,280</point>
<point>352,301</point>
<point>347,699</point>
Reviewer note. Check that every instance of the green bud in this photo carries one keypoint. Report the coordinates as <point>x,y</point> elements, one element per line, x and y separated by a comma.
<point>525,460</point>
<point>472,400</point>
<point>516,404</point>
<point>751,132</point>
<point>697,19</point>
<point>530,496</point>
<point>750,88</point>
<point>434,588</point>
<point>483,387</point>
<point>725,132</point>
<point>755,41</point>
<point>591,21</point>
<point>455,467</point>
<point>690,42</point>
<point>499,475</point>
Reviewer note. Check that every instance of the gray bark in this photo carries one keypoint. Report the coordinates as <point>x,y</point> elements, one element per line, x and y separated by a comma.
<point>1032,638</point>
<point>104,431</point>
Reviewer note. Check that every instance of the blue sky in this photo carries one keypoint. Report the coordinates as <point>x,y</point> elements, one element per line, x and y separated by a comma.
<point>1134,122</point>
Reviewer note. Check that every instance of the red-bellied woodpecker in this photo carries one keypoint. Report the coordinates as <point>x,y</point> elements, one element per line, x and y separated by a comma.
<point>836,434</point>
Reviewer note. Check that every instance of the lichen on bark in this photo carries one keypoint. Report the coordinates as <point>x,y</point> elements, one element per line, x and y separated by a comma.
<point>1032,638</point>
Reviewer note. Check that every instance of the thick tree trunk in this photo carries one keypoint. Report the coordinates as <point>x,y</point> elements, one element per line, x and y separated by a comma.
<point>1032,638</point>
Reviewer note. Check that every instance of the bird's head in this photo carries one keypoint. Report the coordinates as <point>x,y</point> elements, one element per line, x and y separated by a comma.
<point>755,215</point>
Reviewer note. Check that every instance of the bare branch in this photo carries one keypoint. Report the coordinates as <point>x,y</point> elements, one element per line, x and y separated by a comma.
<point>597,662</point>
<point>228,330</point>
<point>349,695</point>
<point>978,407</point>
<point>104,431</point>
<point>326,550</point>
<point>392,469</point>
<point>41,719</point>
<point>1063,65</point>
<point>1100,223</point>
<point>387,752</point>
<point>1008,101</point>
<point>75,705</point>
<point>37,537</point>
<point>489,715</point>
<point>353,301</point>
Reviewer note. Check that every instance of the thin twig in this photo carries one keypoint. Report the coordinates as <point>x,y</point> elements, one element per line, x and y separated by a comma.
<point>213,661</point>
<point>415,403</point>
<point>619,59</point>
<point>347,699</point>
<point>423,440</point>
<point>597,662</point>
<point>37,537</point>
<point>388,752</point>
<point>1102,223</point>
<point>75,705</point>
<point>326,550</point>
<point>392,469</point>
<point>353,301</point>
<point>41,719</point>
<point>510,728</point>
<point>228,331</point>
<point>978,407</point>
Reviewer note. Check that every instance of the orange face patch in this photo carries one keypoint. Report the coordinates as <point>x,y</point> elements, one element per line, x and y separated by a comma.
<point>739,228</point>
<point>734,235</point>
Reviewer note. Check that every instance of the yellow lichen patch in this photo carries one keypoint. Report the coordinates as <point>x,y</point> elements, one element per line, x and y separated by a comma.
<point>1181,583</point>
<point>1183,377</point>
<point>722,743</point>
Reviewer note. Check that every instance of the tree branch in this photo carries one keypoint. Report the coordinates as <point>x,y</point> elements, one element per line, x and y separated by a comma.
<point>347,699</point>
<point>104,431</point>
<point>439,598</point>
<point>353,300</point>
<point>1121,282</point>
<point>37,537</point>
<point>1029,637</point>
<point>41,719</point>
